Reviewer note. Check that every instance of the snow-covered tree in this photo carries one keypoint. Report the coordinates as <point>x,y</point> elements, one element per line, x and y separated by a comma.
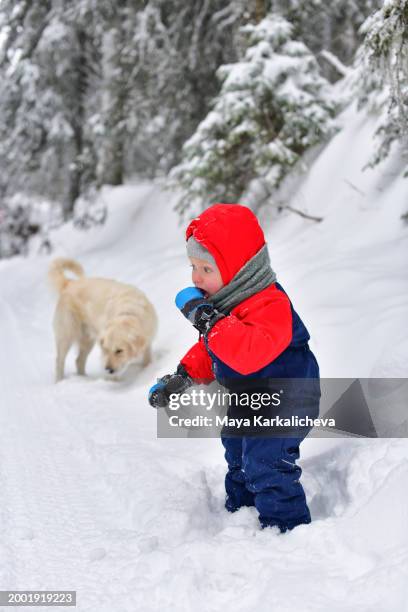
<point>329,29</point>
<point>383,75</point>
<point>173,54</point>
<point>273,106</point>
<point>45,135</point>
<point>94,91</point>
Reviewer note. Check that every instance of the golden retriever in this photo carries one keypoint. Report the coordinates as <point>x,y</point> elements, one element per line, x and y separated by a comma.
<point>118,316</point>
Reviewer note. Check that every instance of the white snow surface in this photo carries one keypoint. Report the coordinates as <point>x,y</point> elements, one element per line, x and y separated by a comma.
<point>92,501</point>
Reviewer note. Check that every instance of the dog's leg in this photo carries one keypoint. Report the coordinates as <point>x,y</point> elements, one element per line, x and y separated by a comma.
<point>147,356</point>
<point>62,351</point>
<point>85,347</point>
<point>66,331</point>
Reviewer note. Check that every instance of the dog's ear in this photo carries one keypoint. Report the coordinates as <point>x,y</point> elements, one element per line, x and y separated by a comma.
<point>132,334</point>
<point>137,342</point>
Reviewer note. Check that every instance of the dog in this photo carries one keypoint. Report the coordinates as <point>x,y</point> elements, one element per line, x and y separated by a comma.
<point>89,310</point>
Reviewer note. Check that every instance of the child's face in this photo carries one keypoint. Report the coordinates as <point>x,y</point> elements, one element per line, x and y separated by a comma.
<point>206,276</point>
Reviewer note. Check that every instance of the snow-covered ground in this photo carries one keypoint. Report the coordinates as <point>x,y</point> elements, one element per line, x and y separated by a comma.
<point>92,501</point>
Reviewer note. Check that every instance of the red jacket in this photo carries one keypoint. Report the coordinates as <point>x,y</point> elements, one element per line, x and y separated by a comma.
<point>259,328</point>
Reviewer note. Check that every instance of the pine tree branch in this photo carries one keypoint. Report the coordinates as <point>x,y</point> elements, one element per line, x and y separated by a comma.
<point>396,77</point>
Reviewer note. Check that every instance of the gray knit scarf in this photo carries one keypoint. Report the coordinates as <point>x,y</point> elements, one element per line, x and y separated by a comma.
<point>254,276</point>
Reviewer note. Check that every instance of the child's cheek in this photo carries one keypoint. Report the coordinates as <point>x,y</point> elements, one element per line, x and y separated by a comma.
<point>214,286</point>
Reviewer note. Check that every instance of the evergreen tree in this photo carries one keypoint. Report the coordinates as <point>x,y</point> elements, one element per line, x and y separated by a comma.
<point>112,118</point>
<point>45,139</point>
<point>96,90</point>
<point>172,57</point>
<point>328,28</point>
<point>382,70</point>
<point>273,106</point>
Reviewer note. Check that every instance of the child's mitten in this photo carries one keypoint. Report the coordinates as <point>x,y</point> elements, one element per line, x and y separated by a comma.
<point>197,309</point>
<point>159,394</point>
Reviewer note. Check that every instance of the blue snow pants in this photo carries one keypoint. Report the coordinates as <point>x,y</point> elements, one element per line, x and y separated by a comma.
<point>262,472</point>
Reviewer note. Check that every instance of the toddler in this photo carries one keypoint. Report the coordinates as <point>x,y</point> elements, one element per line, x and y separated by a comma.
<point>251,339</point>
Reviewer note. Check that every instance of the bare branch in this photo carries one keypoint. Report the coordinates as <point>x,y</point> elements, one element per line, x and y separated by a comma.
<point>335,62</point>
<point>354,187</point>
<point>301,213</point>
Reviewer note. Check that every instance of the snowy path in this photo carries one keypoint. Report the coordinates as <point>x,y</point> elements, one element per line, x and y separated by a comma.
<point>57,513</point>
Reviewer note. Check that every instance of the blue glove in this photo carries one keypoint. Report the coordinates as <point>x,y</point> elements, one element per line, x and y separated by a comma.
<point>159,394</point>
<point>197,309</point>
<point>188,294</point>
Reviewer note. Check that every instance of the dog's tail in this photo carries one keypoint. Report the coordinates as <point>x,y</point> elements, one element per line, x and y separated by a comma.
<point>56,271</point>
